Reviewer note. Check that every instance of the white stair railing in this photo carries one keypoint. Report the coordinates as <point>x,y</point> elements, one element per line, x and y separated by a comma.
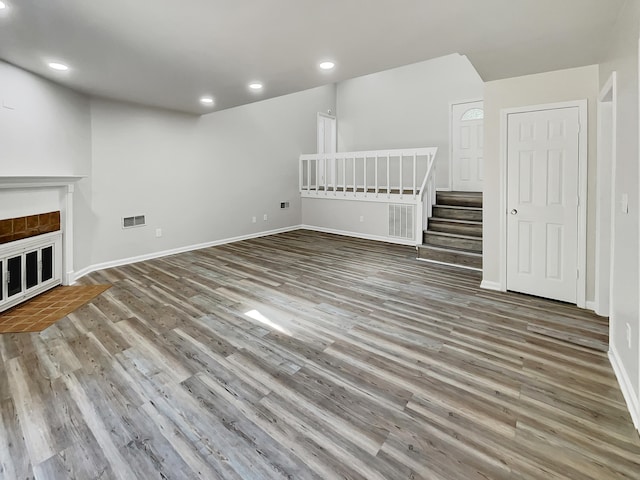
<point>378,173</point>
<point>400,176</point>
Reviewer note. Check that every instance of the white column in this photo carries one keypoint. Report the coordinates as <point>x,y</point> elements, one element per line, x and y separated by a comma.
<point>67,237</point>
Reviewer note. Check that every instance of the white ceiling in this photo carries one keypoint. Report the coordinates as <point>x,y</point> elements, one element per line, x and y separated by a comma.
<point>169,53</point>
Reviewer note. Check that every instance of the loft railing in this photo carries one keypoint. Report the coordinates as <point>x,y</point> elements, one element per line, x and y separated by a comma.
<point>376,174</point>
<point>398,176</point>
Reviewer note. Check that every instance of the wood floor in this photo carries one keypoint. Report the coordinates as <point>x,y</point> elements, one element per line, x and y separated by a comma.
<point>306,355</point>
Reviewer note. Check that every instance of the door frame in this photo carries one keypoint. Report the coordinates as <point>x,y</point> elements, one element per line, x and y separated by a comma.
<point>451,105</point>
<point>334,130</point>
<point>322,171</point>
<point>608,95</point>
<point>583,139</point>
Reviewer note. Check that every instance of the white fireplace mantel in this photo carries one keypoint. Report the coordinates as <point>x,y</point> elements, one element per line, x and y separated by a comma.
<point>39,181</point>
<point>67,184</point>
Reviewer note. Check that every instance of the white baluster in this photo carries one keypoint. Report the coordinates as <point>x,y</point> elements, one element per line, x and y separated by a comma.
<point>376,175</point>
<point>364,175</point>
<point>355,183</point>
<point>334,178</point>
<point>388,176</point>
<point>324,173</point>
<point>415,174</point>
<point>401,173</point>
<point>344,176</point>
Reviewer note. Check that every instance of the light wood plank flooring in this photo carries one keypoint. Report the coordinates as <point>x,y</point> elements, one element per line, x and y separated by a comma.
<point>311,356</point>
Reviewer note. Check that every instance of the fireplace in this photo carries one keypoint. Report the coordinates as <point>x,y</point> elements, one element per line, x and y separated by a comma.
<point>36,235</point>
<point>30,257</point>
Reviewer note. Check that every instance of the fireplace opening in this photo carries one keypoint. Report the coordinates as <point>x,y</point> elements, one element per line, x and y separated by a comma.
<point>30,257</point>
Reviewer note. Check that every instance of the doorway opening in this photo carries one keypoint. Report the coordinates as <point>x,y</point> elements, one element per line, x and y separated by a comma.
<point>606,166</point>
<point>466,139</point>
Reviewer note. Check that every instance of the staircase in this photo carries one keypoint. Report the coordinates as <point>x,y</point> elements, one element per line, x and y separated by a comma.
<point>454,232</point>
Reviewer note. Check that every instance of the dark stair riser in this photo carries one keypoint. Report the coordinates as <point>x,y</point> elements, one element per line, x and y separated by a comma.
<point>460,199</point>
<point>446,241</point>
<point>453,257</point>
<point>472,214</point>
<point>460,228</point>
<point>454,232</point>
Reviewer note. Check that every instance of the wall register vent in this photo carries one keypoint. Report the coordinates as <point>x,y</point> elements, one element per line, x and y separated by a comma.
<point>130,222</point>
<point>401,221</point>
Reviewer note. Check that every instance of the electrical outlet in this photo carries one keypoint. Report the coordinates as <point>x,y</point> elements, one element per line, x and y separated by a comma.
<point>361,218</point>
<point>158,232</point>
<point>254,219</point>
<point>265,217</point>
<point>628,335</point>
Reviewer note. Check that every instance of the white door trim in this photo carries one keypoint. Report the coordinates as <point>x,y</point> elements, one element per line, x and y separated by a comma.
<point>608,95</point>
<point>451,105</point>
<point>334,130</point>
<point>583,138</point>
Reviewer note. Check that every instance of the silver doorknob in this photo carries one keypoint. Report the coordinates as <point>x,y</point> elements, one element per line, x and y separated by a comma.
<point>514,212</point>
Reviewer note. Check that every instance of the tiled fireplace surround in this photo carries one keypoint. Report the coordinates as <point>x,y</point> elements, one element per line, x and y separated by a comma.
<point>12,229</point>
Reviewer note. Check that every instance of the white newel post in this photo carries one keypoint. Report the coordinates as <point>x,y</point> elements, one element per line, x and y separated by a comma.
<point>67,238</point>
<point>420,220</point>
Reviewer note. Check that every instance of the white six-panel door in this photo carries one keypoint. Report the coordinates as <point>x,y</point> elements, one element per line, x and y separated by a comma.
<point>467,136</point>
<point>542,203</point>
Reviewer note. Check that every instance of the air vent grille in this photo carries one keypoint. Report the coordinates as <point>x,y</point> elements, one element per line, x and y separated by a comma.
<point>136,221</point>
<point>401,223</point>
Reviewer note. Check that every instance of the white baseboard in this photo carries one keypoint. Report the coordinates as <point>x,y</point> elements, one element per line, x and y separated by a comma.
<point>364,236</point>
<point>428,260</point>
<point>488,285</point>
<point>164,253</point>
<point>590,305</point>
<point>633,403</point>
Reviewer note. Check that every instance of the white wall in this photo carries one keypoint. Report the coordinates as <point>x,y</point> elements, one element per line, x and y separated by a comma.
<point>406,107</point>
<point>623,59</point>
<point>20,203</point>
<point>544,88</point>
<point>343,217</point>
<point>45,129</point>
<point>200,179</point>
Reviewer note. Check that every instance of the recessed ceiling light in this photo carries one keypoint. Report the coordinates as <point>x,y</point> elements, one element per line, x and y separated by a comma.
<point>327,65</point>
<point>60,67</point>
<point>3,5</point>
<point>255,86</point>
<point>206,100</point>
